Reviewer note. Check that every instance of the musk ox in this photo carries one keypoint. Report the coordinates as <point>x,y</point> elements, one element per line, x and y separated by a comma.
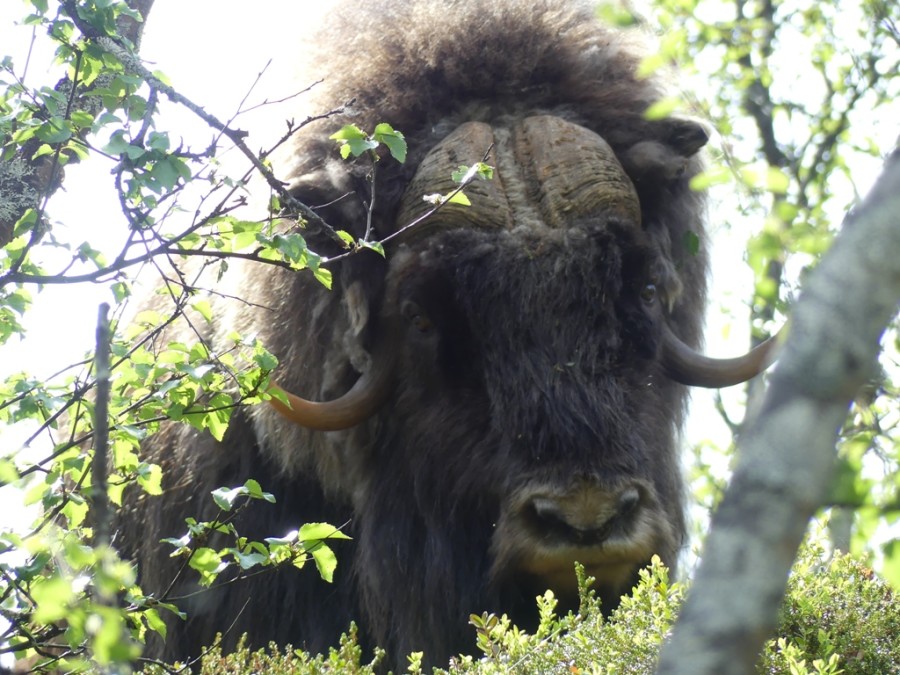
<point>500,396</point>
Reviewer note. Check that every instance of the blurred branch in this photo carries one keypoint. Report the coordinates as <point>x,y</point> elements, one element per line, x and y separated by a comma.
<point>100,513</point>
<point>787,452</point>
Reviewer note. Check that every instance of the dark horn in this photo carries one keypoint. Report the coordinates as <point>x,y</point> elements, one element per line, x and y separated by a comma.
<point>363,400</point>
<point>689,367</point>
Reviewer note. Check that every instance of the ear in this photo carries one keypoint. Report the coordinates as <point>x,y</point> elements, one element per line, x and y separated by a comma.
<point>654,161</point>
<point>666,159</point>
<point>331,191</point>
<point>686,137</point>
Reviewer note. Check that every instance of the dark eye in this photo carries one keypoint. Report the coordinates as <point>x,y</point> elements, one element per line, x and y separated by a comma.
<point>648,293</point>
<point>416,317</point>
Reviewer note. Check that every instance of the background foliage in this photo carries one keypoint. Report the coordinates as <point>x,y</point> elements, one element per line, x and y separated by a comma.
<point>804,98</point>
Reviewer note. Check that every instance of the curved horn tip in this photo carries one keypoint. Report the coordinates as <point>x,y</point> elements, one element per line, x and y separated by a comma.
<point>363,400</point>
<point>691,368</point>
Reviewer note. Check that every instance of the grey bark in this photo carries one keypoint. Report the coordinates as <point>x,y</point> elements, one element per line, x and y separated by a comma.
<point>787,452</point>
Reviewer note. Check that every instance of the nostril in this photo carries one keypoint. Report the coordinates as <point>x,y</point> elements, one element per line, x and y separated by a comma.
<point>548,512</point>
<point>629,501</point>
<point>548,518</point>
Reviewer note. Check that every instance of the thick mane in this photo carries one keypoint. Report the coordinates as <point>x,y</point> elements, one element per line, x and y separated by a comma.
<point>407,67</point>
<point>425,67</point>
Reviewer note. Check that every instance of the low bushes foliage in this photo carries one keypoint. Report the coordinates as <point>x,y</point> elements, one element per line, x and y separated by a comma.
<point>837,618</point>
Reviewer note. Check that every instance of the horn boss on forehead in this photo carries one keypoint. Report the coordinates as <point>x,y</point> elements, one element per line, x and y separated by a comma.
<point>549,171</point>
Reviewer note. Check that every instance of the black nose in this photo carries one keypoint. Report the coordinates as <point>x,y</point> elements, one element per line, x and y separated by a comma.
<point>629,501</point>
<point>586,515</point>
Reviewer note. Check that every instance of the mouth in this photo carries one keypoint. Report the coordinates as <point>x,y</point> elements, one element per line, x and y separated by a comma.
<point>612,564</point>
<point>559,575</point>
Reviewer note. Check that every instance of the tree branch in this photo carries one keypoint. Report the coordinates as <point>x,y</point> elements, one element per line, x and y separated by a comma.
<point>34,180</point>
<point>787,452</point>
<point>236,136</point>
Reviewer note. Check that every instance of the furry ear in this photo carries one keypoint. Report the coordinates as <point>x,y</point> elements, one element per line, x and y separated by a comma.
<point>686,137</point>
<point>668,158</point>
<point>653,161</point>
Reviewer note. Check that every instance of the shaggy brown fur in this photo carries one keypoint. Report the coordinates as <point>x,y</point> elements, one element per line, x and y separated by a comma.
<point>540,367</point>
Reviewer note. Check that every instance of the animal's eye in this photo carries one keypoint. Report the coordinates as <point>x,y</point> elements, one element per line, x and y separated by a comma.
<point>648,293</point>
<point>416,317</point>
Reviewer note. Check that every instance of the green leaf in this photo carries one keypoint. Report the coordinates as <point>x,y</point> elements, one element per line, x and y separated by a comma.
<point>45,149</point>
<point>81,118</point>
<point>248,560</point>
<point>109,636</point>
<point>54,131</point>
<point>162,77</point>
<point>348,133</point>
<point>459,198</point>
<point>650,64</point>
<point>314,531</point>
<point>691,242</point>
<point>167,172</point>
<point>770,178</point>
<point>208,562</point>
<point>150,478</point>
<point>326,561</point>
<point>216,420</point>
<point>323,276</point>
<point>718,175</point>
<point>8,471</point>
<point>88,252</point>
<point>849,486</point>
<point>346,237</point>
<point>225,497</point>
<point>52,596</point>
<point>254,490</point>
<point>286,540</point>
<point>777,181</point>
<point>663,108</point>
<point>204,309</point>
<point>121,290</point>
<point>358,147</point>
<point>154,621</point>
<point>394,140</point>
<point>891,567</point>
<point>478,170</point>
<point>376,246</point>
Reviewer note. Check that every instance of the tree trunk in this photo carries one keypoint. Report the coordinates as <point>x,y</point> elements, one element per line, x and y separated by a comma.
<point>787,452</point>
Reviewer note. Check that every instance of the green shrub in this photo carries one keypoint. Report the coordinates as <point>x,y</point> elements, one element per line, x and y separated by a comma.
<point>841,611</point>
<point>837,618</point>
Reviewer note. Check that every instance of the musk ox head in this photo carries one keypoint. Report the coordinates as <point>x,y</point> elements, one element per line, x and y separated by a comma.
<point>499,397</point>
<point>518,402</point>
